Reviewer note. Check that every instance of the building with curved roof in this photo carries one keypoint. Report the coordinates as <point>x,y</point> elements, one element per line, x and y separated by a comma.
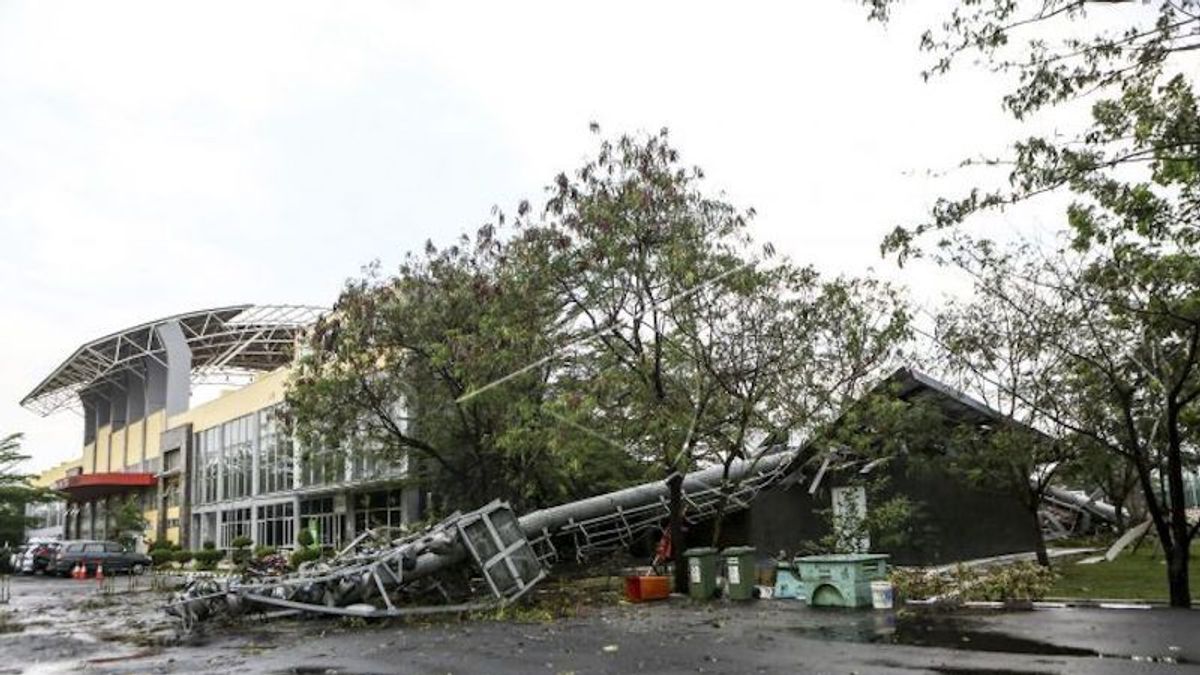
<point>216,471</point>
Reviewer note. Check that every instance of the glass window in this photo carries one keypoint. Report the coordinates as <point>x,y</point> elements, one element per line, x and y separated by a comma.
<point>238,450</point>
<point>276,526</point>
<point>113,548</point>
<point>318,514</point>
<point>171,493</point>
<point>275,466</point>
<point>93,548</point>
<point>234,523</point>
<point>207,452</point>
<point>383,508</point>
<point>321,466</point>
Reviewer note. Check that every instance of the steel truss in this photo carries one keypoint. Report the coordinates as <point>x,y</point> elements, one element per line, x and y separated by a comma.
<point>367,579</point>
<point>227,345</point>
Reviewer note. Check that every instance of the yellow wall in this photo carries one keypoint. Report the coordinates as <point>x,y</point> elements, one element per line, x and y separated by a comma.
<point>117,451</point>
<point>172,533</point>
<point>154,429</point>
<point>133,442</point>
<point>266,391</point>
<point>89,455</point>
<point>102,438</point>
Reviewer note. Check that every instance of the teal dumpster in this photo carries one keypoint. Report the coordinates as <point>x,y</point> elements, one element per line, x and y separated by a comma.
<point>787,581</point>
<point>840,580</point>
<point>702,572</point>
<point>741,571</point>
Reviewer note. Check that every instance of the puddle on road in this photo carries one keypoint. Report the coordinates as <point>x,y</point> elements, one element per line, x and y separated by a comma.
<point>950,632</point>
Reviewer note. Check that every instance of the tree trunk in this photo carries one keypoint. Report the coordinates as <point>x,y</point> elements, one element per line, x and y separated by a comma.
<point>1179,552</point>
<point>1039,541</point>
<point>723,503</point>
<point>676,526</point>
<point>1119,508</point>
<point>1177,576</point>
<point>718,519</point>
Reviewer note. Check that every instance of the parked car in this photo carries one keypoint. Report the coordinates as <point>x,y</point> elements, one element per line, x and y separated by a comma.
<point>37,556</point>
<point>93,554</point>
<point>14,558</point>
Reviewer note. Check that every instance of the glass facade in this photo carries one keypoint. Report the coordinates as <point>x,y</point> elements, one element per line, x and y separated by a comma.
<point>318,515</point>
<point>205,477</point>
<point>275,461</point>
<point>171,492</point>
<point>382,508</point>
<point>276,525</point>
<point>321,466</point>
<point>253,457</point>
<point>238,449</point>
<point>235,523</point>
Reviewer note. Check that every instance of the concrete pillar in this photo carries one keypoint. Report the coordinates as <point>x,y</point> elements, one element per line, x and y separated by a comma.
<point>295,520</point>
<point>179,367</point>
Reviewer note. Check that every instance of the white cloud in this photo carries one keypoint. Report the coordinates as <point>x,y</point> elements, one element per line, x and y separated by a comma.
<point>156,157</point>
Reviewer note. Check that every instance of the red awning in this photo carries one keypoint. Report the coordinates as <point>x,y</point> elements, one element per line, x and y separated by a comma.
<point>89,486</point>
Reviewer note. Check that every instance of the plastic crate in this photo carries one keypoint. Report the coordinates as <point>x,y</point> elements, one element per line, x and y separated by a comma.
<point>641,589</point>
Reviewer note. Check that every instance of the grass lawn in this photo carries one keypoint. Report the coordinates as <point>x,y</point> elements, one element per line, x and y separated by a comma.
<point>1141,576</point>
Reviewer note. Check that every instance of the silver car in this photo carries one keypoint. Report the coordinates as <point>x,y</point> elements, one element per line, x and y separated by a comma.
<point>37,555</point>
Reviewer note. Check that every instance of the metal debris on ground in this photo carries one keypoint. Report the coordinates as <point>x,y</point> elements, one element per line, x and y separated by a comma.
<point>379,575</point>
<point>425,572</point>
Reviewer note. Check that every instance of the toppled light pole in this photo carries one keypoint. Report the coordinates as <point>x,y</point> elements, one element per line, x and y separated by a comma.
<point>511,554</point>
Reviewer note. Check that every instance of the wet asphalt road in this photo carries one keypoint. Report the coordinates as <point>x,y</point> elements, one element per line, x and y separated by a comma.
<point>68,626</point>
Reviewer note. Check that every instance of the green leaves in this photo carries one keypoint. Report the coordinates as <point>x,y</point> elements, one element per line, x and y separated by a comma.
<point>1143,135</point>
<point>15,489</point>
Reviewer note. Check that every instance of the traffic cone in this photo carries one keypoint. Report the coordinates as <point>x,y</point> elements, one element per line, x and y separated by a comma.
<point>100,572</point>
<point>77,573</point>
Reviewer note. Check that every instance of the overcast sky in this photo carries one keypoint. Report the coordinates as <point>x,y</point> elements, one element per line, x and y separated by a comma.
<point>156,159</point>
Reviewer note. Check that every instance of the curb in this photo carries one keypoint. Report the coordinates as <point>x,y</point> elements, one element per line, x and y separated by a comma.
<point>1045,604</point>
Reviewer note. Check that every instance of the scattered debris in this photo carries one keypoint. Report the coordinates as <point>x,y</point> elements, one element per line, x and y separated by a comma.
<point>1130,536</point>
<point>411,575</point>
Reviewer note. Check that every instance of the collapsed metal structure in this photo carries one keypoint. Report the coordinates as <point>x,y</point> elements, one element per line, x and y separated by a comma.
<point>379,576</point>
<point>384,577</point>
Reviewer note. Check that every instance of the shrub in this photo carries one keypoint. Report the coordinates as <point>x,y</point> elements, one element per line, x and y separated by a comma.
<point>241,550</point>
<point>209,545</point>
<point>261,552</point>
<point>161,556</point>
<point>211,555</point>
<point>303,555</point>
<point>208,558</point>
<point>305,538</point>
<point>182,557</point>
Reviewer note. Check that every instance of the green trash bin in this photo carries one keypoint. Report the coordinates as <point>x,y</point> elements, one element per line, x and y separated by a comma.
<point>741,571</point>
<point>702,572</point>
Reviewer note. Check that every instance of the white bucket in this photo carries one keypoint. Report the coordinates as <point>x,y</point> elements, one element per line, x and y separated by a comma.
<point>882,596</point>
